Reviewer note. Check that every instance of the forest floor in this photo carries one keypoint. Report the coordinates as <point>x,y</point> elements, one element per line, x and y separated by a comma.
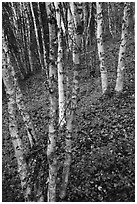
<point>103,153</point>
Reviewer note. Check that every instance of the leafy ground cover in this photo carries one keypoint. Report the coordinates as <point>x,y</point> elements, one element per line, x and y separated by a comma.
<point>103,164</point>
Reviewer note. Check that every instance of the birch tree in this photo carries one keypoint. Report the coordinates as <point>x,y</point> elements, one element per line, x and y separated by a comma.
<point>20,19</point>
<point>23,29</point>
<point>43,42</point>
<point>12,38</point>
<point>100,45</point>
<point>112,19</point>
<point>7,74</point>
<point>61,99</point>
<point>36,34</point>
<point>16,100</point>
<point>28,34</point>
<point>51,149</point>
<point>75,20</point>
<point>88,25</point>
<point>13,19</point>
<point>122,50</point>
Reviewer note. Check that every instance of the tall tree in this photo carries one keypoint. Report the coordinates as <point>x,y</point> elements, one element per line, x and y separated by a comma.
<point>27,32</point>
<point>112,19</point>
<point>75,22</point>
<point>100,45</point>
<point>7,74</point>
<point>51,149</point>
<point>36,34</point>
<point>122,50</point>
<point>61,99</point>
<point>16,100</point>
<point>43,41</point>
<point>23,27</point>
<point>15,28</point>
<point>88,37</point>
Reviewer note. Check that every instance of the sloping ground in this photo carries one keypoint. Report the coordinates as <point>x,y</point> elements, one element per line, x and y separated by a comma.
<point>103,141</point>
<point>103,164</point>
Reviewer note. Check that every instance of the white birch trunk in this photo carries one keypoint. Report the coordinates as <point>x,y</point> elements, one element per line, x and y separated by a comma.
<point>122,50</point>
<point>114,17</point>
<point>100,45</point>
<point>7,74</point>
<point>51,149</point>
<point>88,26</point>
<point>43,42</point>
<point>23,37</point>
<point>86,20</point>
<point>111,19</point>
<point>28,36</point>
<point>87,33</point>
<point>70,113</point>
<point>61,99</point>
<point>36,34</point>
<point>70,29</point>
<point>21,106</point>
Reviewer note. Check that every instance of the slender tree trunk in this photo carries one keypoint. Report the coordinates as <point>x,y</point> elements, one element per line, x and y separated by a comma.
<point>85,19</point>
<point>114,17</point>
<point>122,50</point>
<point>19,25</point>
<point>66,55</point>
<point>60,69</point>
<point>88,35</point>
<point>36,34</point>
<point>111,18</point>
<point>28,36</point>
<point>16,101</point>
<point>43,42</point>
<point>75,87</point>
<point>24,38</point>
<point>51,149</point>
<point>17,34</point>
<point>100,44</point>
<point>70,28</point>
<point>88,26</point>
<point>7,74</point>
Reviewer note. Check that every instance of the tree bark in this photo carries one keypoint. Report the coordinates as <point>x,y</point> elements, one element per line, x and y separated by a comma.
<point>75,87</point>
<point>51,149</point>
<point>88,26</point>
<point>28,36</point>
<point>122,50</point>
<point>61,99</point>
<point>36,34</point>
<point>7,74</point>
<point>17,34</point>
<point>100,44</point>
<point>43,42</point>
<point>111,18</point>
<point>24,37</point>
